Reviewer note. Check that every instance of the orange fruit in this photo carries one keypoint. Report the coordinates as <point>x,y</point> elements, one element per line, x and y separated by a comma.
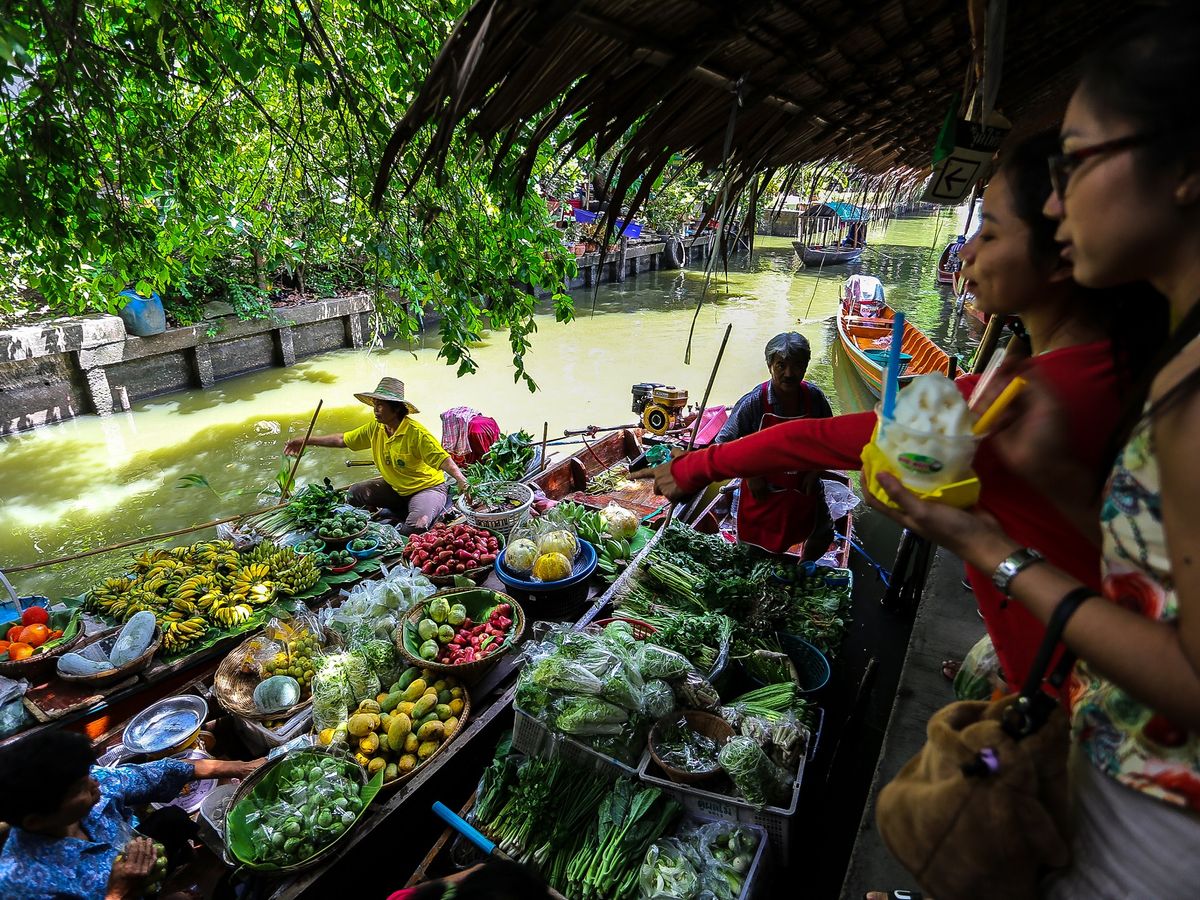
<point>35,615</point>
<point>34,635</point>
<point>4,647</point>
<point>55,635</point>
<point>19,651</point>
<point>14,633</point>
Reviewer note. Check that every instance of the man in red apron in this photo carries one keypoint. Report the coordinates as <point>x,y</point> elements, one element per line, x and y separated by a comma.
<point>782,511</point>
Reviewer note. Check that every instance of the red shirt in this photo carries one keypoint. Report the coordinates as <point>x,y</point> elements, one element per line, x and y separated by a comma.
<point>1086,384</point>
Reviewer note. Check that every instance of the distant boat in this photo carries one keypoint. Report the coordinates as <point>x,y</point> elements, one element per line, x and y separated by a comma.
<point>827,256</point>
<point>831,233</point>
<point>950,263</point>
<point>864,329</point>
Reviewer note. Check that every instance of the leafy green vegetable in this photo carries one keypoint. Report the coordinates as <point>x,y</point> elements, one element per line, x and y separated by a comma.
<point>588,715</point>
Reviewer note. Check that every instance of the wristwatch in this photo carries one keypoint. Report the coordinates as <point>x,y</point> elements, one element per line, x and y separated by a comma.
<point>1013,566</point>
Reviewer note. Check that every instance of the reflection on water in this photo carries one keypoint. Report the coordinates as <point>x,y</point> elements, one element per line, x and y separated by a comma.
<point>90,481</point>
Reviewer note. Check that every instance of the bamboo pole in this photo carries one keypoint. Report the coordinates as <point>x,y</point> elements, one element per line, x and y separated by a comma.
<point>703,405</point>
<point>987,345</point>
<point>545,437</point>
<point>286,490</point>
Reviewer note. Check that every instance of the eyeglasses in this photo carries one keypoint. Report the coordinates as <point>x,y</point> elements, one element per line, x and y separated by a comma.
<point>1064,165</point>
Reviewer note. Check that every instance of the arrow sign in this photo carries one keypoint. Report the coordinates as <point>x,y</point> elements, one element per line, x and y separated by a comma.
<point>955,174</point>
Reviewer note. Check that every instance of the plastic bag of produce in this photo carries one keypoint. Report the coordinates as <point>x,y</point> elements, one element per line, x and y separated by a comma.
<point>980,676</point>
<point>658,699</point>
<point>725,852</point>
<point>380,604</point>
<point>653,661</point>
<point>694,692</point>
<point>331,694</point>
<point>12,710</point>
<point>756,778</point>
<point>620,522</point>
<point>667,872</point>
<point>590,715</point>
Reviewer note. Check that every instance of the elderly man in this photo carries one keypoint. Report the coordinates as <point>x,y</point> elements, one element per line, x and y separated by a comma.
<point>412,463</point>
<point>784,510</point>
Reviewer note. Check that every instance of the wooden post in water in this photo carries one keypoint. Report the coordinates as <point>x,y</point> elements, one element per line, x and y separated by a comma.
<point>545,437</point>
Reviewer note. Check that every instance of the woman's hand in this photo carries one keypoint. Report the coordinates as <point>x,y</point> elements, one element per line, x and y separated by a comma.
<point>225,768</point>
<point>130,869</point>
<point>972,535</point>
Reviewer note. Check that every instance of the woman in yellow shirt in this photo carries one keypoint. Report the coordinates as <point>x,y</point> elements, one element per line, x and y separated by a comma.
<point>412,463</point>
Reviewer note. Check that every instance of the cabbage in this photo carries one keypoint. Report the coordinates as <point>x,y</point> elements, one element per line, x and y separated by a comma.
<point>559,541</point>
<point>620,522</point>
<point>521,555</point>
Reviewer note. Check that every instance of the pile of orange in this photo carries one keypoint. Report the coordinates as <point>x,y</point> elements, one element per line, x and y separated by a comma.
<point>24,638</point>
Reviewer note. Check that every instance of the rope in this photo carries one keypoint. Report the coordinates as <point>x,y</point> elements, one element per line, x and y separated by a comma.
<point>884,575</point>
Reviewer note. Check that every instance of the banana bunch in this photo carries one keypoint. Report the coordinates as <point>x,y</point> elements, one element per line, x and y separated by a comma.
<point>144,561</point>
<point>612,553</point>
<point>294,574</point>
<point>250,584</point>
<point>179,633</point>
<point>262,553</point>
<point>196,585</point>
<point>110,598</point>
<point>208,554</point>
<point>226,616</point>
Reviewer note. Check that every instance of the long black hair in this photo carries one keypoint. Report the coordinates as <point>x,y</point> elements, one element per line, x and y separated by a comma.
<point>1147,77</point>
<point>1134,317</point>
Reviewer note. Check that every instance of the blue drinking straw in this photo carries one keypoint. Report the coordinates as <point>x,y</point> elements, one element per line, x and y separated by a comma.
<point>891,379</point>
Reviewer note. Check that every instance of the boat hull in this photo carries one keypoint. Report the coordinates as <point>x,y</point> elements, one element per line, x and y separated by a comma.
<point>857,334</point>
<point>826,256</point>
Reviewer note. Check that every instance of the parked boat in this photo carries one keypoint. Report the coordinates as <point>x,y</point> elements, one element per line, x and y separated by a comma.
<point>831,233</point>
<point>570,478</point>
<point>865,338</point>
<point>950,264</point>
<point>827,256</point>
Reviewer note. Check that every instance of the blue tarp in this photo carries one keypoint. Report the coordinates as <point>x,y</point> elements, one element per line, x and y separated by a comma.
<point>631,231</point>
<point>847,212</point>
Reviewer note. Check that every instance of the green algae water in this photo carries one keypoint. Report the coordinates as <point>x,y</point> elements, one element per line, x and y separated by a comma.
<point>94,481</point>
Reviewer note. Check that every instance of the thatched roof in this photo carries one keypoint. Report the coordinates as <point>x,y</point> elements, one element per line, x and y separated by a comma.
<point>867,81</point>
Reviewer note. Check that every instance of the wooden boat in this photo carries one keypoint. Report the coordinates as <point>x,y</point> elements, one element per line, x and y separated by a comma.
<point>831,233</point>
<point>827,256</point>
<point>859,336</point>
<point>948,263</point>
<point>568,479</point>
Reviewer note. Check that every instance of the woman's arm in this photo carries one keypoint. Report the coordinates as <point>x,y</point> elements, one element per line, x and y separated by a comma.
<point>336,441</point>
<point>450,467</point>
<point>1150,660</point>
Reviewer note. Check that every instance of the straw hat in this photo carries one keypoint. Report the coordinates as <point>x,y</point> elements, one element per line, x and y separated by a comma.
<point>389,389</point>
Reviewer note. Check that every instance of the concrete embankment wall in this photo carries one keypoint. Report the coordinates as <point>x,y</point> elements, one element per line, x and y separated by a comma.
<point>56,370</point>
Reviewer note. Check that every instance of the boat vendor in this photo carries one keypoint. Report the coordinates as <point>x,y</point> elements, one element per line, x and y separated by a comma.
<point>778,512</point>
<point>71,821</point>
<point>412,463</point>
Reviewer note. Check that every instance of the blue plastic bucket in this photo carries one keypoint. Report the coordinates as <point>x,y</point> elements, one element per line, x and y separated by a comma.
<point>143,316</point>
<point>811,665</point>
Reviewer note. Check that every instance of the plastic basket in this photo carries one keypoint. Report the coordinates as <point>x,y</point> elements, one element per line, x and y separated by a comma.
<point>775,820</point>
<point>880,358</point>
<point>505,520</point>
<point>533,738</point>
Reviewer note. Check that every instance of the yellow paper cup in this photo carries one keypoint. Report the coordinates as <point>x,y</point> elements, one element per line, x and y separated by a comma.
<point>962,492</point>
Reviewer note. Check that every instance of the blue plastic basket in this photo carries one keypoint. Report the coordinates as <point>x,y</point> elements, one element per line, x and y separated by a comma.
<point>811,664</point>
<point>585,564</point>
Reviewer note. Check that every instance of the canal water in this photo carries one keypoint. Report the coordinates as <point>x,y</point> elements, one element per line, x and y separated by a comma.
<point>94,481</point>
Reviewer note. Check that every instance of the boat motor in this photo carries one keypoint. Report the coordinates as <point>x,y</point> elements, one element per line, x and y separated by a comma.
<point>663,409</point>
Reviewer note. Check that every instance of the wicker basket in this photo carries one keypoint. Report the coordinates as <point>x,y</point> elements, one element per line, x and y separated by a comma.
<point>244,789</point>
<point>505,520</point>
<point>465,672</point>
<point>463,717</point>
<point>40,666</point>
<point>478,575</point>
<point>234,689</point>
<point>340,543</point>
<point>707,724</point>
<point>112,676</point>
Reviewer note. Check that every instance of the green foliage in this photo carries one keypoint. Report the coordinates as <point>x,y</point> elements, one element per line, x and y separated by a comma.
<point>225,149</point>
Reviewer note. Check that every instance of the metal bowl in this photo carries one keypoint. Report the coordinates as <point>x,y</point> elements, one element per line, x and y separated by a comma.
<point>166,727</point>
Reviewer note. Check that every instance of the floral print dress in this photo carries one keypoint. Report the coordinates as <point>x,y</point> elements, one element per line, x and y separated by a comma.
<point>1121,736</point>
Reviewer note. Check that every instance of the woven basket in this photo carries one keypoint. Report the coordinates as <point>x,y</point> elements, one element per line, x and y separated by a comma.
<point>243,791</point>
<point>505,520</point>
<point>112,676</point>
<point>234,689</point>
<point>340,543</point>
<point>707,724</point>
<point>40,666</point>
<point>465,672</point>
<point>463,717</point>
<point>478,575</point>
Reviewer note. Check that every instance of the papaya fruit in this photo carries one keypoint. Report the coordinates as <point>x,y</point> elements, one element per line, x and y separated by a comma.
<point>443,711</point>
<point>424,705</point>
<point>379,698</point>
<point>405,707</point>
<point>430,731</point>
<point>444,696</point>
<point>369,706</point>
<point>406,678</point>
<point>449,727</point>
<point>456,707</point>
<point>407,763</point>
<point>398,731</point>
<point>360,725</point>
<point>415,689</point>
<point>427,749</point>
<point>391,701</point>
<point>391,772</point>
<point>428,717</point>
<point>369,745</point>
<point>375,765</point>
<point>411,743</point>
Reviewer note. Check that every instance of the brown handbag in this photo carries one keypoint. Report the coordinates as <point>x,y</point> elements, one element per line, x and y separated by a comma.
<point>981,811</point>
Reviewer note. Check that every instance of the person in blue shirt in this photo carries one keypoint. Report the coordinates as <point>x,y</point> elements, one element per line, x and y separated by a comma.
<point>70,819</point>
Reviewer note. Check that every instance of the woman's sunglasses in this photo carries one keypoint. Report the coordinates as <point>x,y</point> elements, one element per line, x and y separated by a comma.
<point>1064,165</point>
